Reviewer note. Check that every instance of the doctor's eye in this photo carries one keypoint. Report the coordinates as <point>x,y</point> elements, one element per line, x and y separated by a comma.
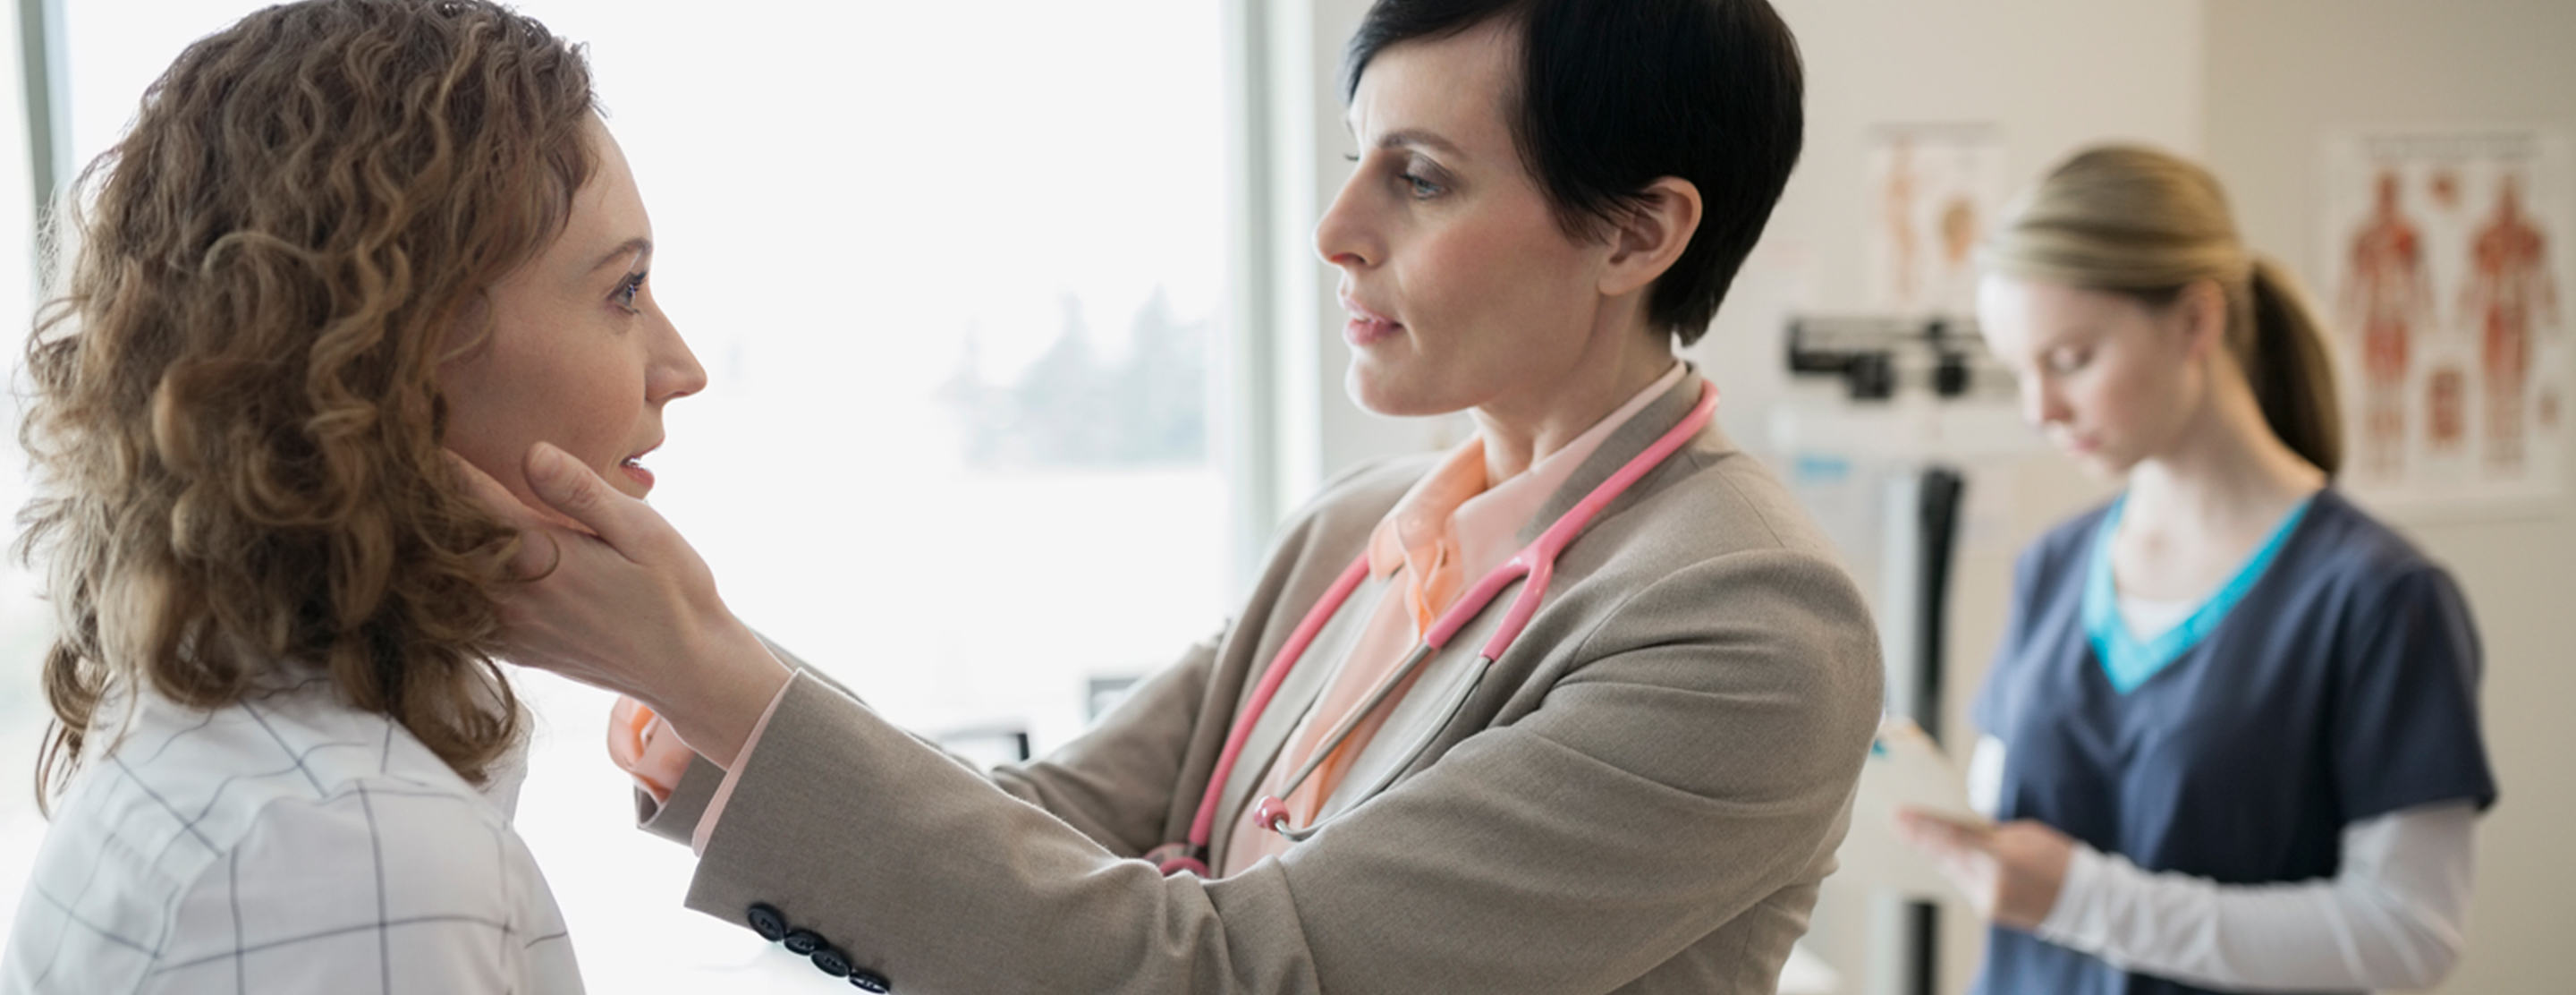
<point>1423,178</point>
<point>2069,360</point>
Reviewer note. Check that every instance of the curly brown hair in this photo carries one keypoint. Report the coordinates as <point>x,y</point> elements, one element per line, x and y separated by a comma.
<point>237,425</point>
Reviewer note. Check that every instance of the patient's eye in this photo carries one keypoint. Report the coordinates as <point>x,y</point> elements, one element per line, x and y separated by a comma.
<point>626,291</point>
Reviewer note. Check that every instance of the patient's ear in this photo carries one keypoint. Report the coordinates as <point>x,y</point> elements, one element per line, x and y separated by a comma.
<point>2202,312</point>
<point>1650,235</point>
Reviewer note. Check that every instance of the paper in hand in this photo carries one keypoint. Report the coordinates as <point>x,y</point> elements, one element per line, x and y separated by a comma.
<point>1905,768</point>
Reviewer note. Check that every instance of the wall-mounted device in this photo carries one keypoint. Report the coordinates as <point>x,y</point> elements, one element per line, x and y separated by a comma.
<point>1878,356</point>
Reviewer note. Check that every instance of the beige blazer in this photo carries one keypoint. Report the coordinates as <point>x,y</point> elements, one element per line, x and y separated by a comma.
<point>1640,796</point>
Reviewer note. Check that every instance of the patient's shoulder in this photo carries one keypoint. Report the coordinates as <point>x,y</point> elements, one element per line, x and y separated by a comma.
<point>284,822</point>
<point>332,857</point>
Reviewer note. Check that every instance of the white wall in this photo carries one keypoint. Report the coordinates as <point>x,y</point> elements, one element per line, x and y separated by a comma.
<point>2282,75</point>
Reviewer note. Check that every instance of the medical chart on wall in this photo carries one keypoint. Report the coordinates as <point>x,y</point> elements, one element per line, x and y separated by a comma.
<point>1934,190</point>
<point>2447,285</point>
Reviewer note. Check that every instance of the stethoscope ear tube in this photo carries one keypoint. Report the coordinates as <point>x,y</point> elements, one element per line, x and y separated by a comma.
<point>1273,813</point>
<point>1341,733</point>
<point>1191,854</point>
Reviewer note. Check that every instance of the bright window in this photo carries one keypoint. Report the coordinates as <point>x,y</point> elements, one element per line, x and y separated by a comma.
<point>26,625</point>
<point>954,271</point>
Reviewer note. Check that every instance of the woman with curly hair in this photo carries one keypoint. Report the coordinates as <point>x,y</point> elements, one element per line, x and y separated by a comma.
<point>342,238</point>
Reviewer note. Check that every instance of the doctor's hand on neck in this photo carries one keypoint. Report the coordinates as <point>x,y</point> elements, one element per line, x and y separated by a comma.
<point>606,592</point>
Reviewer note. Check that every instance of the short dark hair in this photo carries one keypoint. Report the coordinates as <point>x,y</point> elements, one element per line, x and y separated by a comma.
<point>1615,94</point>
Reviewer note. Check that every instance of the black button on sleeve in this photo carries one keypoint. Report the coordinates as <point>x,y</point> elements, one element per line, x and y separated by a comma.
<point>766,921</point>
<point>869,981</point>
<point>803,941</point>
<point>832,962</point>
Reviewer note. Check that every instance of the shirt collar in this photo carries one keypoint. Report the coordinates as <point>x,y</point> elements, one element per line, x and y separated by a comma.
<point>1452,511</point>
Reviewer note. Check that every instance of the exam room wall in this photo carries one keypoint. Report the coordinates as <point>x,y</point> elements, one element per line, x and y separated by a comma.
<point>2282,76</point>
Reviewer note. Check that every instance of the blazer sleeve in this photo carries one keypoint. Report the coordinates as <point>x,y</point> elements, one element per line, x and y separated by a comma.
<point>676,818</point>
<point>1697,758</point>
<point>1114,782</point>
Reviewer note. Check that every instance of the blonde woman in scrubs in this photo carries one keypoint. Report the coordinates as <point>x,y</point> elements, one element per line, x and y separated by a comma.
<point>2232,732</point>
<point>1640,795</point>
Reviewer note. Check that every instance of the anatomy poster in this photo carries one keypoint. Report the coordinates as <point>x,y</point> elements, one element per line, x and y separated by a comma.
<point>2448,286</point>
<point>1933,192</point>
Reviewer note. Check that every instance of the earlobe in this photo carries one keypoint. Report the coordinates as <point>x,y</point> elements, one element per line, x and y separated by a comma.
<point>2206,311</point>
<point>1651,235</point>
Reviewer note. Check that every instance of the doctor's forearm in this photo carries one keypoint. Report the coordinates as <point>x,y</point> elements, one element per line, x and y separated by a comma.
<point>1115,782</point>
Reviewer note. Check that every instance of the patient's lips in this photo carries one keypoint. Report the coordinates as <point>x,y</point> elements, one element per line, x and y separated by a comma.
<point>633,467</point>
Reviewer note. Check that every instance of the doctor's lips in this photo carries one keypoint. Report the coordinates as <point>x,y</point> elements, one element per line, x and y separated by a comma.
<point>634,466</point>
<point>1366,326</point>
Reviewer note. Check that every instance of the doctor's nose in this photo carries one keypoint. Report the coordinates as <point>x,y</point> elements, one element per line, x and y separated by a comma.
<point>1344,236</point>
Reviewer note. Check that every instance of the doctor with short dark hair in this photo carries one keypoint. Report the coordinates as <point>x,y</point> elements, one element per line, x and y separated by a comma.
<point>1578,705</point>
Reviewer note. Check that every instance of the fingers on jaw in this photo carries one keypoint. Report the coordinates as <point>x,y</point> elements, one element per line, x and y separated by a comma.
<point>486,491</point>
<point>562,481</point>
<point>538,555</point>
<point>497,499</point>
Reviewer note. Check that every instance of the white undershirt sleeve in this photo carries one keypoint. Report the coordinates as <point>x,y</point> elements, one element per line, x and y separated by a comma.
<point>2392,917</point>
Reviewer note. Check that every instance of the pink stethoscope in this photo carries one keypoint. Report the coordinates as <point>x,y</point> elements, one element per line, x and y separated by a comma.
<point>1537,561</point>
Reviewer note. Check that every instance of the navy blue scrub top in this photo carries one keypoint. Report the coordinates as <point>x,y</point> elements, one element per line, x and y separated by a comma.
<point>2343,686</point>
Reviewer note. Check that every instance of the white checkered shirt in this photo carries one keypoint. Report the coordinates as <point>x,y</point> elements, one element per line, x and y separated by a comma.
<point>287,844</point>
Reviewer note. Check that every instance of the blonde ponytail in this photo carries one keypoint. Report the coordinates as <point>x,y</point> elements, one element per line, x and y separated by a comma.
<point>2292,375</point>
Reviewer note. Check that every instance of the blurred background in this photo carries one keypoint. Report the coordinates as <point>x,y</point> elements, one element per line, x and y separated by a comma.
<point>1037,276</point>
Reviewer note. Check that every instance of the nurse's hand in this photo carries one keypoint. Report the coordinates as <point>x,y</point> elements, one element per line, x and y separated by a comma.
<point>2012,871</point>
<point>609,594</point>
